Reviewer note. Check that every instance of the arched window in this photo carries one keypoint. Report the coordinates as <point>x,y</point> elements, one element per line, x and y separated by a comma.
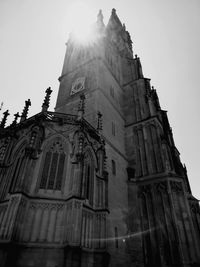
<point>87,181</point>
<point>101,158</point>
<point>18,169</point>
<point>53,167</point>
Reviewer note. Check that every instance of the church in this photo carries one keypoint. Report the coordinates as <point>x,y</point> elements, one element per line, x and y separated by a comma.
<point>99,182</point>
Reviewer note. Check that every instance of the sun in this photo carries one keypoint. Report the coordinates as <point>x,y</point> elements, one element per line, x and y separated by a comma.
<point>80,21</point>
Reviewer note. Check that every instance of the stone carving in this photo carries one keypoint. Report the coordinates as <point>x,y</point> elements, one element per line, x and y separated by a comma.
<point>44,205</point>
<point>45,104</point>
<point>194,208</point>
<point>16,115</point>
<point>161,187</point>
<point>176,186</point>
<point>25,110</point>
<point>3,122</point>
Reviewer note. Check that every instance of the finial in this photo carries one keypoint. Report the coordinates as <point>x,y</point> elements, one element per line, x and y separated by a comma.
<point>99,122</point>
<point>136,56</point>
<point>1,106</point>
<point>100,24</point>
<point>100,16</point>
<point>113,11</point>
<point>81,108</point>
<point>152,87</point>
<point>46,102</point>
<point>25,111</point>
<point>3,122</point>
<point>16,115</point>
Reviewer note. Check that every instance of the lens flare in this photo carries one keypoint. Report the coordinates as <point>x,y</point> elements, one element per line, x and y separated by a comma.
<point>80,20</point>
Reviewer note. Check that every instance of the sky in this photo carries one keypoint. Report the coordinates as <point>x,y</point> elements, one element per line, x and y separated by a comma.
<point>165,35</point>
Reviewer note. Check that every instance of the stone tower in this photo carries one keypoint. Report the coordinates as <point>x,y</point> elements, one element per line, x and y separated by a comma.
<point>98,182</point>
<point>153,214</point>
<point>98,69</point>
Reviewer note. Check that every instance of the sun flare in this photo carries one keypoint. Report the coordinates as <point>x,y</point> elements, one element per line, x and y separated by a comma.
<point>80,20</point>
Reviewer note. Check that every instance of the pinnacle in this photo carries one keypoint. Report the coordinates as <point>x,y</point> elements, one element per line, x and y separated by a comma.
<point>114,20</point>
<point>113,11</point>
<point>100,16</point>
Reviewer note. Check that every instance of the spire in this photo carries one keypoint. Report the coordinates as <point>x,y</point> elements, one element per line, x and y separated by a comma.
<point>113,11</point>
<point>25,111</point>
<point>3,122</point>
<point>81,108</point>
<point>46,102</point>
<point>114,21</point>
<point>1,105</point>
<point>100,17</point>
<point>16,116</point>
<point>100,26</point>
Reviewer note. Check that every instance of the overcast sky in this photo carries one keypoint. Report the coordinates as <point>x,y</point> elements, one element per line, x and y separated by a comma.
<point>166,37</point>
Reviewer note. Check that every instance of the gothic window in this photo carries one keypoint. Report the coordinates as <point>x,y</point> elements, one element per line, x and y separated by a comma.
<point>100,154</point>
<point>17,171</point>
<point>53,167</point>
<point>113,167</point>
<point>87,181</point>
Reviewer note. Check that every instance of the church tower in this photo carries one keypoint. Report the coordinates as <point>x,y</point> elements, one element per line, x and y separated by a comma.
<point>98,182</point>
<point>153,215</point>
<point>98,68</point>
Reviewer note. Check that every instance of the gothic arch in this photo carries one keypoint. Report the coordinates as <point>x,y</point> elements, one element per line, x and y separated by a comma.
<point>90,150</point>
<point>48,142</point>
<point>87,145</point>
<point>53,164</point>
<point>19,156</point>
<point>17,147</point>
<point>88,176</point>
<point>100,155</point>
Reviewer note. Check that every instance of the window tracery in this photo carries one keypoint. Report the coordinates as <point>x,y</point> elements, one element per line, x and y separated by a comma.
<point>87,182</point>
<point>53,167</point>
<point>18,169</point>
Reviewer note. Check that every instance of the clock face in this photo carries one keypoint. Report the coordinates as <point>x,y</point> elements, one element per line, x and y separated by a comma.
<point>78,85</point>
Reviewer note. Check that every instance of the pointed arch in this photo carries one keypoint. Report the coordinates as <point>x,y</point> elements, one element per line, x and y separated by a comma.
<point>87,187</point>
<point>19,156</point>
<point>88,148</point>
<point>100,160</point>
<point>53,164</point>
<point>19,146</point>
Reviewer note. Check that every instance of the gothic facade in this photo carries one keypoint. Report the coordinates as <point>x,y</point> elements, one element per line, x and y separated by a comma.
<point>98,182</point>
